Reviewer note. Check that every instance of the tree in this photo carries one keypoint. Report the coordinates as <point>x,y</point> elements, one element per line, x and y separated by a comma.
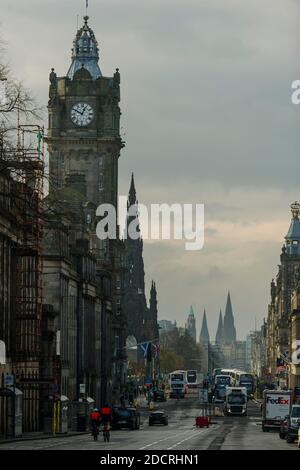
<point>180,351</point>
<point>170,361</point>
<point>16,101</point>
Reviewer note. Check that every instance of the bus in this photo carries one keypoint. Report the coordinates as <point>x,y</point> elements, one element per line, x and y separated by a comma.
<point>219,387</point>
<point>177,381</point>
<point>192,378</point>
<point>245,379</point>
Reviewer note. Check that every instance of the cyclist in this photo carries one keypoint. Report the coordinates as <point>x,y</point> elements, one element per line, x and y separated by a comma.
<point>95,418</point>
<point>106,420</point>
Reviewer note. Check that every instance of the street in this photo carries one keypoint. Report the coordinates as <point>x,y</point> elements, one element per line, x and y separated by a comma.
<point>225,433</point>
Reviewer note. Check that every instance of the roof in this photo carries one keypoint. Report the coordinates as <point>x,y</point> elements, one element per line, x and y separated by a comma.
<point>85,52</point>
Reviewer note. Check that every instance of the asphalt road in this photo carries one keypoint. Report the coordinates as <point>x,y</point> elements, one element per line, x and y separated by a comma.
<point>224,433</point>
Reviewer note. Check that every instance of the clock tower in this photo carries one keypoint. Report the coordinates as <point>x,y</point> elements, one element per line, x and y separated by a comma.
<point>84,122</point>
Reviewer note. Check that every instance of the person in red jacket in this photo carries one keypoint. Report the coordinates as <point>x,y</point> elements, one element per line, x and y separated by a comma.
<point>106,414</point>
<point>95,417</point>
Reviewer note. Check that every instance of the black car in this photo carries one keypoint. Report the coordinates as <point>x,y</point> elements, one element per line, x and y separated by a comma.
<point>159,395</point>
<point>158,417</point>
<point>125,418</point>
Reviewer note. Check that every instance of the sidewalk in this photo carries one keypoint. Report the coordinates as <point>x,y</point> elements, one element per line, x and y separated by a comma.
<point>33,436</point>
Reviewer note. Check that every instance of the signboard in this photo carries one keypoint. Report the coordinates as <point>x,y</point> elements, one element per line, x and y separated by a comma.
<point>82,389</point>
<point>9,380</point>
<point>277,404</point>
<point>203,395</point>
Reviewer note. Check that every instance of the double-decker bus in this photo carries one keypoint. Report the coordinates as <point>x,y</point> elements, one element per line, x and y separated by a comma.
<point>245,379</point>
<point>219,387</point>
<point>192,378</point>
<point>177,381</point>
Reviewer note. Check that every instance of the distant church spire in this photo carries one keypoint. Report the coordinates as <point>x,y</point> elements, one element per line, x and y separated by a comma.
<point>229,328</point>
<point>204,334</point>
<point>220,330</point>
<point>132,192</point>
<point>191,324</point>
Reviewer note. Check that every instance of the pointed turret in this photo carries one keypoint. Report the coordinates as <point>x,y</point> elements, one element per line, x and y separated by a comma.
<point>132,193</point>
<point>85,52</point>
<point>220,330</point>
<point>191,324</point>
<point>132,218</point>
<point>191,314</point>
<point>204,334</point>
<point>229,328</point>
<point>292,238</point>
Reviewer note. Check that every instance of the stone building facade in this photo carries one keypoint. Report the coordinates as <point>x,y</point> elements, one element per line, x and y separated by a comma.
<point>21,327</point>
<point>84,139</point>
<point>142,321</point>
<point>280,310</point>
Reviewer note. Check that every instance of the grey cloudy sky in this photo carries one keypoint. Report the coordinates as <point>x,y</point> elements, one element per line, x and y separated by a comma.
<point>207,118</point>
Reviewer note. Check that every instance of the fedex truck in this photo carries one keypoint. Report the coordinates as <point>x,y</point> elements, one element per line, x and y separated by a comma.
<point>276,405</point>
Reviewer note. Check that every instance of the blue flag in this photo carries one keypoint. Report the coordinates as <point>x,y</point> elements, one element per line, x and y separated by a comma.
<point>144,347</point>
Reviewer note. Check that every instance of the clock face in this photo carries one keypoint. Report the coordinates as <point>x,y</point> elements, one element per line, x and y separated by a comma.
<point>82,114</point>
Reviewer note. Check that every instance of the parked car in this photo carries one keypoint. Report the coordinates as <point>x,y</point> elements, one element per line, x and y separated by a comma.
<point>158,417</point>
<point>293,423</point>
<point>283,427</point>
<point>125,417</point>
<point>159,395</point>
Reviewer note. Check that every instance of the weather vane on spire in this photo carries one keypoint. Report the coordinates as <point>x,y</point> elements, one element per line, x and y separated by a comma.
<point>86,6</point>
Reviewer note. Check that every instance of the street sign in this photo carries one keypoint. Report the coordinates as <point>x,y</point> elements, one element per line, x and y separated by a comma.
<point>9,380</point>
<point>203,395</point>
<point>82,388</point>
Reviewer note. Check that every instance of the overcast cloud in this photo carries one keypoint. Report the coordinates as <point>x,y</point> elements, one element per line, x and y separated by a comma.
<point>207,118</point>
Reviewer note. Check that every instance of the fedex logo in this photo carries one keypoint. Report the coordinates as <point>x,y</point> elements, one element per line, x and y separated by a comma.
<point>278,401</point>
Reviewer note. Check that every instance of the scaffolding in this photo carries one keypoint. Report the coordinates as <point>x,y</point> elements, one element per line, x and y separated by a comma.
<point>25,162</point>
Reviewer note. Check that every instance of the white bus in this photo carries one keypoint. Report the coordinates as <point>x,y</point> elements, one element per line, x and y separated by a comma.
<point>192,378</point>
<point>177,381</point>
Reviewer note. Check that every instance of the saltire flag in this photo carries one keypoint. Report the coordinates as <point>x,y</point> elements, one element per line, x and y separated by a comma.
<point>144,348</point>
<point>156,349</point>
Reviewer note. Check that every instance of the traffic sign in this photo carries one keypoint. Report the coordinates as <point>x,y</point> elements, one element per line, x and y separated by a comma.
<point>82,388</point>
<point>9,380</point>
<point>203,395</point>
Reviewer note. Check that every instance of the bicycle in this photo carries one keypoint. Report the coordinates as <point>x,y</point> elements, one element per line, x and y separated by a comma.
<point>106,432</point>
<point>95,431</point>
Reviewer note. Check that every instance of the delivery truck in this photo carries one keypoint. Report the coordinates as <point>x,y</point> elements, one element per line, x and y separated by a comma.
<point>275,407</point>
<point>235,401</point>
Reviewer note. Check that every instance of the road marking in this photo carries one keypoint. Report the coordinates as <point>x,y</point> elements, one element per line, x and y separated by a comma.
<point>165,439</point>
<point>190,437</point>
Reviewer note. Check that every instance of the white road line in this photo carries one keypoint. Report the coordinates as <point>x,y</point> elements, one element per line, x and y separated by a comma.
<point>190,437</point>
<point>165,439</point>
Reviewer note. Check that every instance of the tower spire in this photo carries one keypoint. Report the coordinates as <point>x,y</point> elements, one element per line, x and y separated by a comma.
<point>132,192</point>
<point>229,328</point>
<point>220,330</point>
<point>204,334</point>
<point>85,52</point>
